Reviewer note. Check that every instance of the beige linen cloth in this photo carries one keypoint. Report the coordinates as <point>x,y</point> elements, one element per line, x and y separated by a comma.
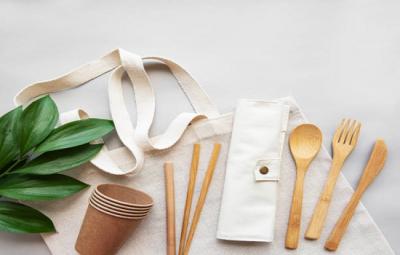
<point>363,236</point>
<point>141,151</point>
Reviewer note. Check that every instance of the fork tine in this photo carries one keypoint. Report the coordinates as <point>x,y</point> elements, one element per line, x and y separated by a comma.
<point>344,131</point>
<point>338,131</point>
<point>350,131</point>
<point>354,136</point>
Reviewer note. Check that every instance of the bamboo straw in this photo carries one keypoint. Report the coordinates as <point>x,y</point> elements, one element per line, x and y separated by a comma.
<point>170,207</point>
<point>203,194</point>
<point>189,195</point>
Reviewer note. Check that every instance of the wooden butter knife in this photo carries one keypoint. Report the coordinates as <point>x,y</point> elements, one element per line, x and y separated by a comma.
<point>373,168</point>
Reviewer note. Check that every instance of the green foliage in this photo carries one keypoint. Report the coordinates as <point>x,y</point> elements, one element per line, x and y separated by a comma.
<point>75,133</point>
<point>38,120</point>
<point>56,161</point>
<point>34,187</point>
<point>9,135</point>
<point>32,152</point>
<point>20,218</point>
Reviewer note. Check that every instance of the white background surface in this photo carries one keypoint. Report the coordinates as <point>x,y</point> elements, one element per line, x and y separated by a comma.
<point>337,58</point>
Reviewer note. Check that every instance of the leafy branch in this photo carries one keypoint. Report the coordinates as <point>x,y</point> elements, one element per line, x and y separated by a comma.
<point>33,151</point>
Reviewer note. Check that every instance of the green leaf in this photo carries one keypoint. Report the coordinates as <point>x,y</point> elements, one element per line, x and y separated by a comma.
<point>38,120</point>
<point>61,160</point>
<point>76,133</point>
<point>39,187</point>
<point>20,218</point>
<point>9,135</point>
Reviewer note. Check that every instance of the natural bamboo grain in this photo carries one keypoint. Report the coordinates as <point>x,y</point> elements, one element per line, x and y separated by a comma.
<point>343,143</point>
<point>305,143</point>
<point>202,197</point>
<point>373,168</point>
<point>189,196</point>
<point>170,207</point>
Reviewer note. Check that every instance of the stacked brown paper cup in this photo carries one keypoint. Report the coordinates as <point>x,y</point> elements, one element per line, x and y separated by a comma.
<point>113,214</point>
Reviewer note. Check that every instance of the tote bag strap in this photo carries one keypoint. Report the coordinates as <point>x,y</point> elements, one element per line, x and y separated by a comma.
<point>137,139</point>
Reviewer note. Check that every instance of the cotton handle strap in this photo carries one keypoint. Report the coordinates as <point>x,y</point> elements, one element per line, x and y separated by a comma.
<point>137,140</point>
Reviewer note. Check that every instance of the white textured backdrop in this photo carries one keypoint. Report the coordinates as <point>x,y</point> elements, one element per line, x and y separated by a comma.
<point>337,58</point>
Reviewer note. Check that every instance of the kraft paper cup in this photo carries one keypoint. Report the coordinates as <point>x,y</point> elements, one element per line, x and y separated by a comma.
<point>116,208</point>
<point>117,213</point>
<point>98,197</point>
<point>105,227</point>
<point>102,233</point>
<point>124,196</point>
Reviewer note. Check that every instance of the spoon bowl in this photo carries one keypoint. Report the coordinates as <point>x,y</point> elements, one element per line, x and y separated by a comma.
<point>305,143</point>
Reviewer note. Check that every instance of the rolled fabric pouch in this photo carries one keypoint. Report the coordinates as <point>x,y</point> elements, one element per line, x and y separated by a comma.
<point>249,197</point>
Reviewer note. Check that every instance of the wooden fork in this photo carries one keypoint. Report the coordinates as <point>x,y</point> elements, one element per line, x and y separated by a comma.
<point>344,141</point>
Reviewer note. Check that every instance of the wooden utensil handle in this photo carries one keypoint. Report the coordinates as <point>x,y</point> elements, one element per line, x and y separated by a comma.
<point>341,225</point>
<point>321,210</point>
<point>293,231</point>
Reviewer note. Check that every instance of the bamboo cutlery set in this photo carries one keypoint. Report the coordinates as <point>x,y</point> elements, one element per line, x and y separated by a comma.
<point>115,211</point>
<point>305,142</point>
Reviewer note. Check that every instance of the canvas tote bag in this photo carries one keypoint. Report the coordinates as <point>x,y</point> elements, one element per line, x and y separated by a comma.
<point>207,126</point>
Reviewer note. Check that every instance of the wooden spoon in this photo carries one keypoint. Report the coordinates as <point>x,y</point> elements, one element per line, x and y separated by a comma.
<point>305,143</point>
